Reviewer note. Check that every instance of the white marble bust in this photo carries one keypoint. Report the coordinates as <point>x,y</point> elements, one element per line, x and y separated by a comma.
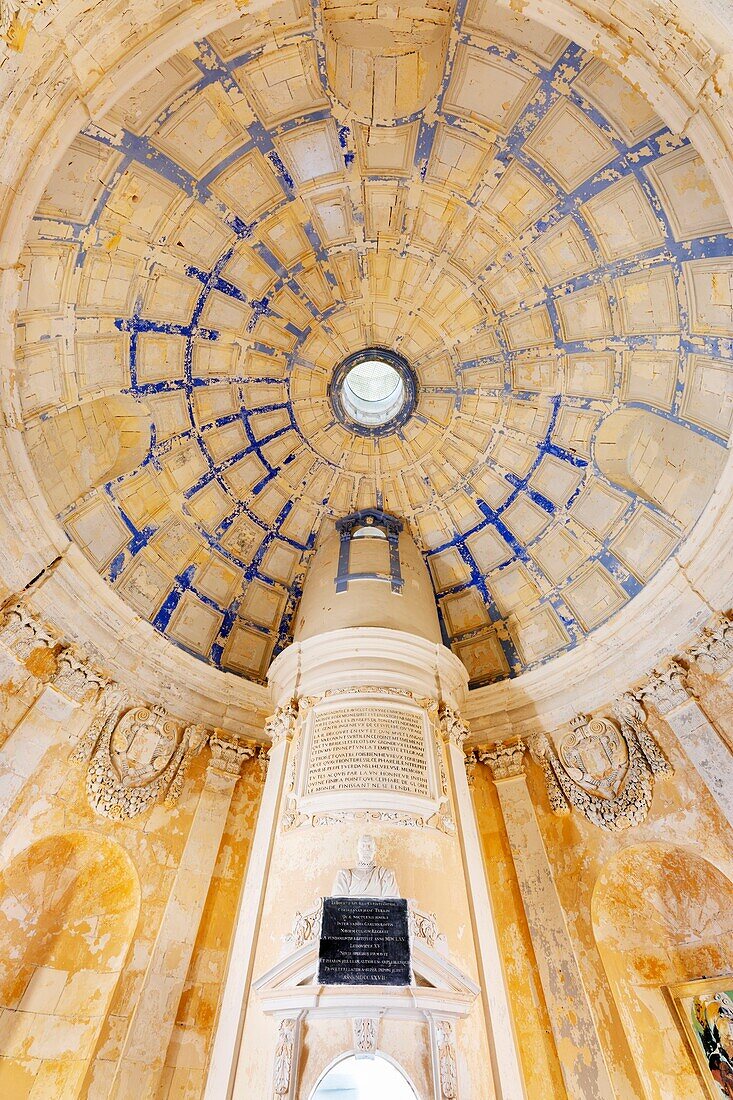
<point>367,879</point>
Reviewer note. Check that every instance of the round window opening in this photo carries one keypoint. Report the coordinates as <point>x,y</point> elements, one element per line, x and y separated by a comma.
<point>374,391</point>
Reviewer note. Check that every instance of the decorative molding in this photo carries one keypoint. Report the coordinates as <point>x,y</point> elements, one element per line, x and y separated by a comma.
<point>666,687</point>
<point>366,1034</point>
<point>196,736</point>
<point>228,757</point>
<point>506,759</point>
<point>441,821</point>
<point>21,633</point>
<point>445,1049</point>
<point>712,649</point>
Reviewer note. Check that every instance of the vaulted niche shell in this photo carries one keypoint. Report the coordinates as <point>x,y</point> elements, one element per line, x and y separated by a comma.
<point>667,464</point>
<point>384,66</point>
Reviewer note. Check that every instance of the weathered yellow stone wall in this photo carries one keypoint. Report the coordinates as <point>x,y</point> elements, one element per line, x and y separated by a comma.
<point>81,903</point>
<point>540,1064</point>
<point>190,1046</point>
<point>645,907</point>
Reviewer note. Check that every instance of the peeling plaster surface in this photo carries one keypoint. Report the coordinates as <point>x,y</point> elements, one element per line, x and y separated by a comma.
<point>550,257</point>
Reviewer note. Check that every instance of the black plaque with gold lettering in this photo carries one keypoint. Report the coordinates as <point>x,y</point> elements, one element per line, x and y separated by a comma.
<point>364,941</point>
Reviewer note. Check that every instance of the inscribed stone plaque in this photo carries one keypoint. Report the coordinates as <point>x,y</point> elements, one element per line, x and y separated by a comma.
<point>364,941</point>
<point>368,748</point>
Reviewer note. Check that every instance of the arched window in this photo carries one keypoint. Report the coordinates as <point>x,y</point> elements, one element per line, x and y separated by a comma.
<point>369,549</point>
<point>353,1078</point>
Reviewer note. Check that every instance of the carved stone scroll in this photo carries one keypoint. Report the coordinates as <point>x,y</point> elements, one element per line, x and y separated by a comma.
<point>366,1031</point>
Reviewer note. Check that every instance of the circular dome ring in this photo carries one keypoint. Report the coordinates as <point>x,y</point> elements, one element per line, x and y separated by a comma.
<point>373,392</point>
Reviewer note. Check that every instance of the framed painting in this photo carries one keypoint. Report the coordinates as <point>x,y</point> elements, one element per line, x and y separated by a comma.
<point>705,1012</point>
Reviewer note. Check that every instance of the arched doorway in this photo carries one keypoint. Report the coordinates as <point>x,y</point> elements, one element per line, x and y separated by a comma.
<point>662,915</point>
<point>353,1078</point>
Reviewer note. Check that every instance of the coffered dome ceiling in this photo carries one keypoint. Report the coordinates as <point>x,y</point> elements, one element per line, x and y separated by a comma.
<point>465,188</point>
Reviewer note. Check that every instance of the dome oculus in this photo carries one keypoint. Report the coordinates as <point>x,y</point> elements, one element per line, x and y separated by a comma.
<point>373,392</point>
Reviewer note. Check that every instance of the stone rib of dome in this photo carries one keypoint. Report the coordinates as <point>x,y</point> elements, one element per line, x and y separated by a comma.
<point>550,259</point>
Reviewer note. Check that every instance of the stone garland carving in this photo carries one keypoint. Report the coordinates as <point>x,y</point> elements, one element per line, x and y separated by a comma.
<point>666,687</point>
<point>110,705</point>
<point>135,760</point>
<point>712,650</point>
<point>470,762</point>
<point>603,771</point>
<point>447,1066</point>
<point>284,1054</point>
<point>196,740</point>
<point>263,759</point>
<point>21,633</point>
<point>365,1030</point>
<point>632,718</point>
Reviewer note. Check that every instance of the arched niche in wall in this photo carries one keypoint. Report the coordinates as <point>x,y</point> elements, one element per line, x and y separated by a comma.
<point>69,906</point>
<point>661,915</point>
<point>88,445</point>
<point>664,462</point>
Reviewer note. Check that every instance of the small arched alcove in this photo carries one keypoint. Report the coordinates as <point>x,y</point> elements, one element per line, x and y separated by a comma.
<point>364,1078</point>
<point>69,906</point>
<point>662,915</point>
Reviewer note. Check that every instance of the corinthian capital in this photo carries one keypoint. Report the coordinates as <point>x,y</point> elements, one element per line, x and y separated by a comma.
<point>452,726</point>
<point>506,759</point>
<point>21,633</point>
<point>712,650</point>
<point>666,687</point>
<point>281,724</point>
<point>74,677</point>
<point>227,757</point>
